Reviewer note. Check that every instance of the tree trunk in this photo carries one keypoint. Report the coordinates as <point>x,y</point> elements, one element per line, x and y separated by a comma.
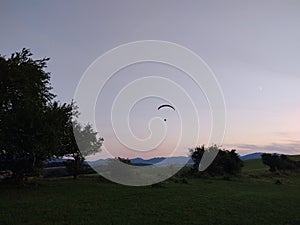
<point>75,172</point>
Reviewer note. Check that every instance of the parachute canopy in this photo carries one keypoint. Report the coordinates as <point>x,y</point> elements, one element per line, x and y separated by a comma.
<point>165,105</point>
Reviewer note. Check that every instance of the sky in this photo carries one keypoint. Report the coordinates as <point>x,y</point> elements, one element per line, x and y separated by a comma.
<point>252,46</point>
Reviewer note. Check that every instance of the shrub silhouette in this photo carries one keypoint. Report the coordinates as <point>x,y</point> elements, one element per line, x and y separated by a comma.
<point>226,162</point>
<point>278,162</point>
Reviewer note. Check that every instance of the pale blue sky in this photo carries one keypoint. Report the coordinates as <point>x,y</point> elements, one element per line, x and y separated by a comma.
<point>252,46</point>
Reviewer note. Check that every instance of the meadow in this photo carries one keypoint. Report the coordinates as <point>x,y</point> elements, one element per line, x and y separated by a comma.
<point>252,198</point>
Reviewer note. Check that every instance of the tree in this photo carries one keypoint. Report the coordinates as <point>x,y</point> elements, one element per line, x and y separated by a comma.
<point>124,160</point>
<point>24,98</point>
<point>79,142</point>
<point>270,160</point>
<point>225,163</point>
<point>35,127</point>
<point>196,155</point>
<point>278,162</point>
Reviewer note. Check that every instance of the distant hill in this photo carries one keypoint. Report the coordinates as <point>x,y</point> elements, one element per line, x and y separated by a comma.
<point>163,161</point>
<point>140,161</point>
<point>256,155</point>
<point>160,161</point>
<point>176,160</point>
<point>55,162</point>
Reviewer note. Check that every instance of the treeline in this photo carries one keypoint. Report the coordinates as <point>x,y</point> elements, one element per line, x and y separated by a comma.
<point>34,126</point>
<point>277,162</point>
<point>228,163</point>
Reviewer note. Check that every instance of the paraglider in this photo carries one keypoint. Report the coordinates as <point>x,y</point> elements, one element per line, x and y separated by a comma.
<point>165,105</point>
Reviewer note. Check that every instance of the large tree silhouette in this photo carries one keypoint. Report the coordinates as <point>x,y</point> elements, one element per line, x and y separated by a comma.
<point>35,127</point>
<point>24,99</point>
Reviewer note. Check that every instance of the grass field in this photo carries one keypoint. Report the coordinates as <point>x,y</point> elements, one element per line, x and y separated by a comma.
<point>295,157</point>
<point>251,198</point>
<point>89,200</point>
<point>254,166</point>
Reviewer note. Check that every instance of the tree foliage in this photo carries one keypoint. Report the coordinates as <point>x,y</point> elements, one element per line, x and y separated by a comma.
<point>79,142</point>
<point>226,162</point>
<point>24,99</point>
<point>278,162</point>
<point>35,127</point>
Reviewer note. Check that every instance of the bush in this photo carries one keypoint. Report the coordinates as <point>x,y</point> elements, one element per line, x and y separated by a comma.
<point>279,162</point>
<point>226,162</point>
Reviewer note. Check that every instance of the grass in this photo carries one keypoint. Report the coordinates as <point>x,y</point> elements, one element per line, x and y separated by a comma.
<point>294,157</point>
<point>254,166</point>
<point>201,201</point>
<point>252,198</point>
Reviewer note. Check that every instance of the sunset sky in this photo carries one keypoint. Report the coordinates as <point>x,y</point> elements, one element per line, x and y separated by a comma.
<point>253,48</point>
